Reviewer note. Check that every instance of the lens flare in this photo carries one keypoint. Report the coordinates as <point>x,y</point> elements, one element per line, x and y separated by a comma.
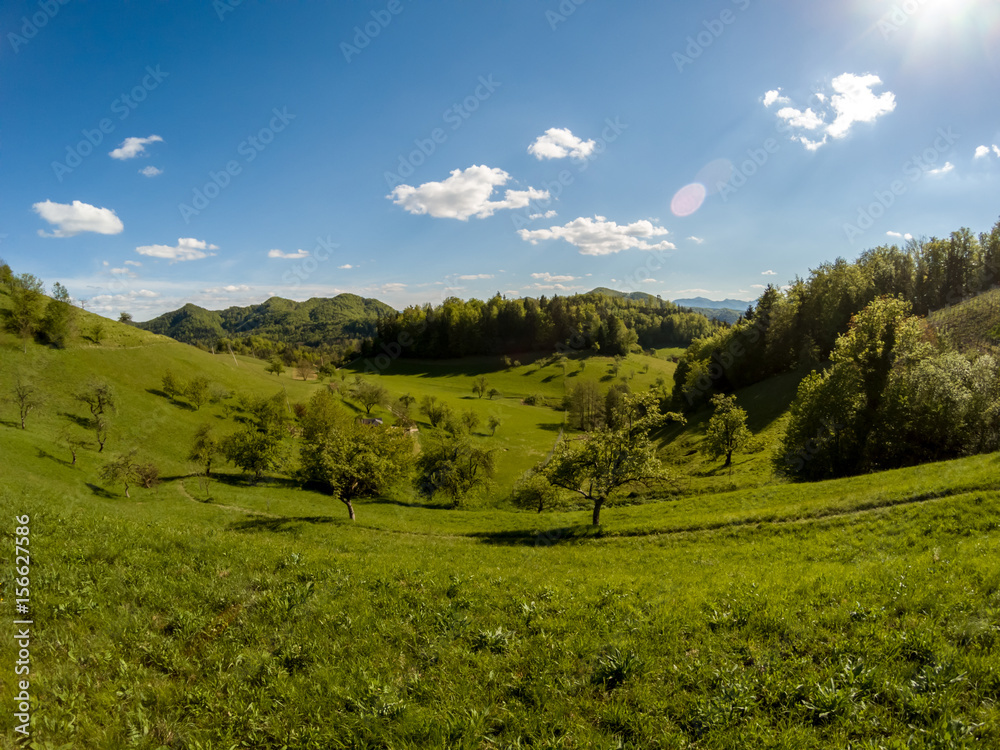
<point>715,175</point>
<point>688,199</point>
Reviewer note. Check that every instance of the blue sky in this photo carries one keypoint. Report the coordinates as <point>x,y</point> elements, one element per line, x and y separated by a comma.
<point>411,151</point>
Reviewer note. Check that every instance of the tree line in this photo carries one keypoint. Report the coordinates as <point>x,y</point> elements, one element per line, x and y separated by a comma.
<point>501,326</point>
<point>893,396</point>
<point>798,327</point>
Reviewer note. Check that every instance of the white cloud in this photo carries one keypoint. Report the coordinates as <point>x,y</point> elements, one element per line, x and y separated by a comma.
<point>775,96</point>
<point>150,171</point>
<point>768,273</point>
<point>133,263</point>
<point>855,102</point>
<point>852,100</point>
<point>109,302</point>
<point>475,277</point>
<point>649,281</point>
<point>546,215</point>
<point>187,248</point>
<point>598,236</point>
<point>906,236</point>
<point>807,120</point>
<point>346,266</point>
<point>548,277</point>
<point>757,286</point>
<point>132,147</point>
<point>282,254</point>
<point>948,166</point>
<point>982,152</point>
<point>71,219</point>
<point>558,143</point>
<point>554,287</point>
<point>810,144</point>
<point>996,150</point>
<point>697,240</point>
<point>463,194</point>
<point>229,288</point>
<point>124,272</point>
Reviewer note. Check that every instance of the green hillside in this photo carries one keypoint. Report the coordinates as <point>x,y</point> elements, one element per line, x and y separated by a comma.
<point>972,325</point>
<point>737,610</point>
<point>319,320</point>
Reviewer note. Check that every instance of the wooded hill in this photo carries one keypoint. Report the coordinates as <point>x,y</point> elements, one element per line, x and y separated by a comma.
<point>798,327</point>
<point>604,321</point>
<point>320,320</point>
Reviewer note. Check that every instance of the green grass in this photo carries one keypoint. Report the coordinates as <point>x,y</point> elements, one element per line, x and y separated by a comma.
<point>743,612</point>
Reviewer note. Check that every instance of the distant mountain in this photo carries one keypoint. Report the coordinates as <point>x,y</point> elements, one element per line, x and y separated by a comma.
<point>637,296</point>
<point>316,321</point>
<point>728,304</point>
<point>722,314</point>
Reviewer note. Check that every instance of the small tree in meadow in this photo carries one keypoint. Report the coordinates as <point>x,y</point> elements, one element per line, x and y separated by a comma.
<point>611,459</point>
<point>481,386</point>
<point>206,448</point>
<point>369,394</point>
<point>25,395</point>
<point>198,391</point>
<point>123,469</point>
<point>727,429</point>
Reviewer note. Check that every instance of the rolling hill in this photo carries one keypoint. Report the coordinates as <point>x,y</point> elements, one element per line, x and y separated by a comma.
<point>741,611</point>
<point>316,321</point>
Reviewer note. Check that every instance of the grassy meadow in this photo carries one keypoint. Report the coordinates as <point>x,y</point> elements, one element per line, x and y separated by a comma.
<point>734,611</point>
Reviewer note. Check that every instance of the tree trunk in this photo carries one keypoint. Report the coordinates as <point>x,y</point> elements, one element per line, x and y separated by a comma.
<point>350,508</point>
<point>729,460</point>
<point>597,511</point>
<point>126,492</point>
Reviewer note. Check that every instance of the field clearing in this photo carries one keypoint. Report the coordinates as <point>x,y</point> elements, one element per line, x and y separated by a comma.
<point>741,611</point>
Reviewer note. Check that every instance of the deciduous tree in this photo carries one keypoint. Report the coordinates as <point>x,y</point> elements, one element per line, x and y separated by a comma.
<point>727,429</point>
<point>608,460</point>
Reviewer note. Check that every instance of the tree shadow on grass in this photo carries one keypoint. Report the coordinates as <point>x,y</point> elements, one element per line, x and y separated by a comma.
<point>400,503</point>
<point>10,423</point>
<point>100,491</point>
<point>246,481</point>
<point>174,401</point>
<point>45,454</point>
<point>76,419</point>
<point>282,524</point>
<point>549,427</point>
<point>536,537</point>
